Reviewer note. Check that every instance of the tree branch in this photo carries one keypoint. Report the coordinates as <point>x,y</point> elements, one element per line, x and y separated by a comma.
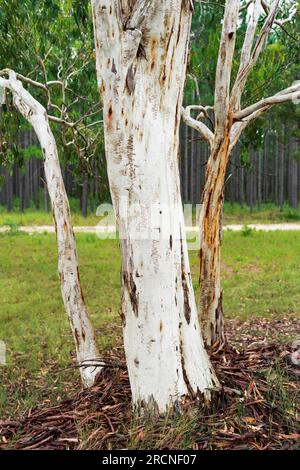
<point>292,12</point>
<point>251,59</point>
<point>6,72</point>
<point>224,65</point>
<point>245,7</point>
<point>239,84</point>
<point>44,87</point>
<point>288,94</point>
<point>246,116</point>
<point>199,126</point>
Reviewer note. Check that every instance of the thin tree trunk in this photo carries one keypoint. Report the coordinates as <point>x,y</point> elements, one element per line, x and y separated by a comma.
<point>281,168</point>
<point>72,295</point>
<point>259,177</point>
<point>293,171</point>
<point>21,192</point>
<point>186,164</point>
<point>27,191</point>
<point>9,191</point>
<point>266,152</point>
<point>84,196</point>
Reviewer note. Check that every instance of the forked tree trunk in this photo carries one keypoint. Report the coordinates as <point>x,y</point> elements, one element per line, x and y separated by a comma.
<point>72,295</point>
<point>229,122</point>
<point>141,76</point>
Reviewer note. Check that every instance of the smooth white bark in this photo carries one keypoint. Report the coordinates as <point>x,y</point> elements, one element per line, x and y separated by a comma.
<point>72,295</point>
<point>141,77</point>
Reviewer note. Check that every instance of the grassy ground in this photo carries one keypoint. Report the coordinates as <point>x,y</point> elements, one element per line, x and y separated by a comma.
<point>263,214</point>
<point>260,278</point>
<point>233,214</point>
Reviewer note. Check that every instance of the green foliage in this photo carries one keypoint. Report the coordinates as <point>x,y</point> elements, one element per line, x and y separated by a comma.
<point>14,228</point>
<point>53,38</point>
<point>247,231</point>
<point>32,151</point>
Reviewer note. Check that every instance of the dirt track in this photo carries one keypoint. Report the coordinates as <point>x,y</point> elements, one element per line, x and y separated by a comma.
<point>111,229</point>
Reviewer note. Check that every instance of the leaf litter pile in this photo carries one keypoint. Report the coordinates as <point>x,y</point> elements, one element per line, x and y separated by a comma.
<point>257,408</point>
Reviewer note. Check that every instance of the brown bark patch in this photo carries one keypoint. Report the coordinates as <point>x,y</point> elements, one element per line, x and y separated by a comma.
<point>109,117</point>
<point>186,292</point>
<point>130,286</point>
<point>184,373</point>
<point>54,220</point>
<point>187,307</point>
<point>76,333</point>
<point>123,318</point>
<point>130,83</point>
<point>79,283</point>
<point>83,334</point>
<point>153,54</point>
<point>113,67</point>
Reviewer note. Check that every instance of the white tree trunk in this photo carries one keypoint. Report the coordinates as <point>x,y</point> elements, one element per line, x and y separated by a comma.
<point>72,295</point>
<point>141,76</point>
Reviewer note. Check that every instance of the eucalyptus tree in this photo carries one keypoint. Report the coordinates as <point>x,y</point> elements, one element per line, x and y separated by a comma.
<point>36,115</point>
<point>230,120</point>
<point>141,57</point>
<point>50,85</point>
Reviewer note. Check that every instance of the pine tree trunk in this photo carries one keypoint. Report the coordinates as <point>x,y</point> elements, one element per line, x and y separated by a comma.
<point>21,192</point>
<point>84,196</point>
<point>142,99</point>
<point>281,168</point>
<point>186,164</point>
<point>293,172</point>
<point>9,192</point>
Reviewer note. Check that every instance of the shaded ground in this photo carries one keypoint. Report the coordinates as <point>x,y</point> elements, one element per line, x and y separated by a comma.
<point>258,407</point>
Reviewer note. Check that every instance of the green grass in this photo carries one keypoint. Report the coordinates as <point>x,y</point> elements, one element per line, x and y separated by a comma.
<point>263,214</point>
<point>260,277</point>
<point>35,217</point>
<point>233,214</point>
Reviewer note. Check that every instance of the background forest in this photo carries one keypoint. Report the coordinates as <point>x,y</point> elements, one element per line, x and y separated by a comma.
<point>264,167</point>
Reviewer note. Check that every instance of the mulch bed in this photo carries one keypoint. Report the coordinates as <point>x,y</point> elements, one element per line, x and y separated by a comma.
<point>251,412</point>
